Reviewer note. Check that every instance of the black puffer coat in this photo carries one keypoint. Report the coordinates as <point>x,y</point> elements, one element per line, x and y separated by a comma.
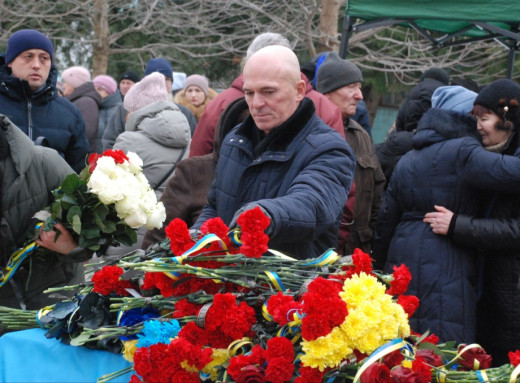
<point>442,170</point>
<point>498,238</point>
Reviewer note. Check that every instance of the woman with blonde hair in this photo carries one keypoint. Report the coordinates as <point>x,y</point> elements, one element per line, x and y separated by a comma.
<point>195,95</point>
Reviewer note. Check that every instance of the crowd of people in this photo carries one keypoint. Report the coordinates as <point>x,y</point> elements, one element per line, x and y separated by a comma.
<point>438,195</point>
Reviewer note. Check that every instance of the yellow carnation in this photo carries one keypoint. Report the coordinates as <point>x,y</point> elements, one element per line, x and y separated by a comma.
<point>129,349</point>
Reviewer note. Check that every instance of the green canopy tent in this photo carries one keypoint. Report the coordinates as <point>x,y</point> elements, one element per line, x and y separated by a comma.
<point>459,21</point>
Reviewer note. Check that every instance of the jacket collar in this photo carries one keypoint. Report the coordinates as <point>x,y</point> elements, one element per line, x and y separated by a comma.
<point>278,139</point>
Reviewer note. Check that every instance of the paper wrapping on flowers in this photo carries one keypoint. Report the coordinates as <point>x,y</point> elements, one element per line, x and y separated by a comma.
<point>231,310</point>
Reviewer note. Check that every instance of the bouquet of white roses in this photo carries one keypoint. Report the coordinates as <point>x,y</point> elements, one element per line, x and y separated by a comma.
<point>108,200</point>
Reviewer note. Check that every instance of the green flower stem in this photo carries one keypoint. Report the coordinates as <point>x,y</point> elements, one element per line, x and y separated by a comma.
<point>108,377</point>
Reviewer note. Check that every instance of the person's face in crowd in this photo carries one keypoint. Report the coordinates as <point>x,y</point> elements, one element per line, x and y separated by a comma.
<point>125,85</point>
<point>486,125</point>
<point>195,95</point>
<point>169,84</point>
<point>102,92</point>
<point>67,88</point>
<point>273,90</point>
<point>33,66</point>
<point>346,98</point>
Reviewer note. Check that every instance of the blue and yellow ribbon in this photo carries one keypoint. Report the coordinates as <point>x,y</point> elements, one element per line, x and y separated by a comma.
<point>15,261</point>
<point>199,245</point>
<point>385,349</point>
<point>326,259</point>
<point>275,280</point>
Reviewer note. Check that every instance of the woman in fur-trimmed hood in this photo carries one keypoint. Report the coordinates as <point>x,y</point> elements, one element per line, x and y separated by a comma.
<point>195,95</point>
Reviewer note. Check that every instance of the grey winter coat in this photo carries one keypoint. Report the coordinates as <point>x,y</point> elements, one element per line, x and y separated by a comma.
<point>30,173</point>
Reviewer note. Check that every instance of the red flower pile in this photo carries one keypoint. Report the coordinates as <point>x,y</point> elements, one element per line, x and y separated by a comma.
<point>177,362</point>
<point>275,364</point>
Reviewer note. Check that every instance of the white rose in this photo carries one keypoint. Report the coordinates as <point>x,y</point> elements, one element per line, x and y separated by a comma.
<point>157,217</point>
<point>136,219</point>
<point>135,162</point>
<point>148,201</point>
<point>126,206</point>
<point>112,192</point>
<point>105,165</point>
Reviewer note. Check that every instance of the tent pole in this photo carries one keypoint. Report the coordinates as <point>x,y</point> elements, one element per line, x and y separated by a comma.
<point>511,61</point>
<point>345,35</point>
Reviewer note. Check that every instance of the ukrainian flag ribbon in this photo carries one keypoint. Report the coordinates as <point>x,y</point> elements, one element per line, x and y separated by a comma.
<point>385,349</point>
<point>16,259</point>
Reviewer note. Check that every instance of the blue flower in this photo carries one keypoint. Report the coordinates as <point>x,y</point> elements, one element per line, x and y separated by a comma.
<point>158,332</point>
<point>136,316</point>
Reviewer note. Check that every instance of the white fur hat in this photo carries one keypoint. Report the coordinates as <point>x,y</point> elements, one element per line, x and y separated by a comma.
<point>150,89</point>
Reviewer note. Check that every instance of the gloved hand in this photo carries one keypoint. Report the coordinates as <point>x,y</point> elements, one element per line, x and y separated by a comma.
<point>195,234</point>
<point>246,207</point>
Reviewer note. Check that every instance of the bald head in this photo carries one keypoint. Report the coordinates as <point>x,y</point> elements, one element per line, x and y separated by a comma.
<point>273,86</point>
<point>278,58</point>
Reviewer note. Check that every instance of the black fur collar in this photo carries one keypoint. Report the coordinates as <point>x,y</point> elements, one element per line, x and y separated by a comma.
<point>278,139</point>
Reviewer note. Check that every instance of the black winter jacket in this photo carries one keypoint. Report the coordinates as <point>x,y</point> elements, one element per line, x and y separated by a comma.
<point>497,237</point>
<point>446,170</point>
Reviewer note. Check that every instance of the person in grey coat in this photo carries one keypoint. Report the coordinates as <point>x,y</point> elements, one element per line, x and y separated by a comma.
<point>157,132</point>
<point>28,174</point>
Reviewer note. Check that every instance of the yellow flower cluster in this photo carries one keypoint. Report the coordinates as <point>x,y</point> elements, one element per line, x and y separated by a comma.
<point>373,319</point>
<point>220,356</point>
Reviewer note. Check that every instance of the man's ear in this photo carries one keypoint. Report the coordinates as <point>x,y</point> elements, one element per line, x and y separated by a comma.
<point>300,89</point>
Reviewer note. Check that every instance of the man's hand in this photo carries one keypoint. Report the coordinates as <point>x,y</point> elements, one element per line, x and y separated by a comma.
<point>63,244</point>
<point>440,220</point>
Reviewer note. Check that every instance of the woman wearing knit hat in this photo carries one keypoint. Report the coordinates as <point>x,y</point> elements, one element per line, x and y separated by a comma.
<point>157,131</point>
<point>447,166</point>
<point>79,89</point>
<point>495,234</point>
<point>196,94</point>
<point>106,86</point>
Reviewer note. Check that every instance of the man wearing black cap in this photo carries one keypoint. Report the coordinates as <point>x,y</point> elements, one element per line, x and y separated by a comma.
<point>340,81</point>
<point>28,96</point>
<point>126,81</point>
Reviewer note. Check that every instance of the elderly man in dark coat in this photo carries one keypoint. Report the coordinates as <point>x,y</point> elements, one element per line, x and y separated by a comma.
<point>284,159</point>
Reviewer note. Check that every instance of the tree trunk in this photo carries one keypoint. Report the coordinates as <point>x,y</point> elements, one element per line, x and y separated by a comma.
<point>329,37</point>
<point>101,47</point>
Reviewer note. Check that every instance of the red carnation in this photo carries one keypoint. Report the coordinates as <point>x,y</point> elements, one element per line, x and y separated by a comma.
<point>160,281</point>
<point>107,281</point>
<point>402,278</point>
<point>410,303</point>
<point>92,162</point>
<point>376,373</point>
<point>432,338</point>
<point>179,235</point>
<point>475,358</point>
<point>279,370</point>
<point>362,261</point>
<point>310,375</point>
<point>514,357</point>
<point>280,347</point>
<point>253,220</point>
<point>280,306</point>
<point>118,155</point>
